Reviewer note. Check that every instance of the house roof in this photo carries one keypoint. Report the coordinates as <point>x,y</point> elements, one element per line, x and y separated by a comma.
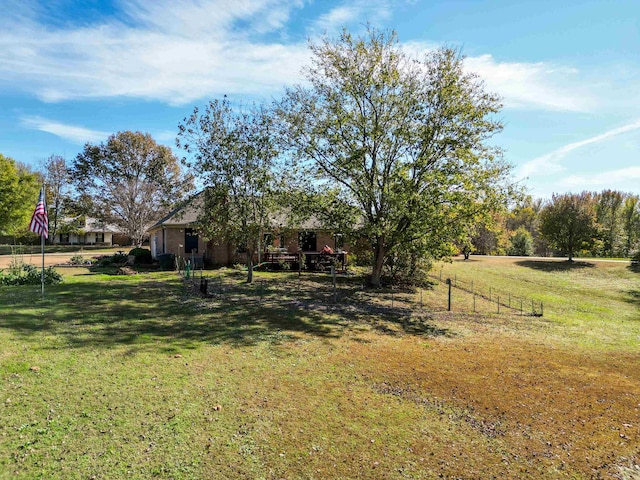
<point>185,214</point>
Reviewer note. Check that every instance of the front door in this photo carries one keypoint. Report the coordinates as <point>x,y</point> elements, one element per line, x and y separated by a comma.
<point>190,240</point>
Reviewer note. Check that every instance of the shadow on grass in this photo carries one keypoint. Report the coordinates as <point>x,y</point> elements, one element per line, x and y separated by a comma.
<point>634,267</point>
<point>159,314</point>
<point>554,266</point>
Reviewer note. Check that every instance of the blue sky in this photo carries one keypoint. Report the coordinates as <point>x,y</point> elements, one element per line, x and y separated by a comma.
<point>73,72</point>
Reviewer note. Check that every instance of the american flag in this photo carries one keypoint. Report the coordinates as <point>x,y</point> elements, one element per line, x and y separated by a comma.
<point>40,221</point>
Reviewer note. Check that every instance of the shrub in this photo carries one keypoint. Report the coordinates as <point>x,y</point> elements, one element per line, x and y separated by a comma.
<point>30,275</point>
<point>78,260</point>
<point>142,255</point>
<point>521,243</point>
<point>635,259</point>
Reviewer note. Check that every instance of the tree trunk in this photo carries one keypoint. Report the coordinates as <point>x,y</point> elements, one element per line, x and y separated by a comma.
<point>250,269</point>
<point>378,263</point>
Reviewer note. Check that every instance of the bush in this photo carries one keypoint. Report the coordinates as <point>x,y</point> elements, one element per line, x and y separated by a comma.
<point>521,243</point>
<point>142,255</point>
<point>29,274</point>
<point>635,259</point>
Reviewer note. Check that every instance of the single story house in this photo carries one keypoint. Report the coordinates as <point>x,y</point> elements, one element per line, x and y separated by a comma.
<point>177,234</point>
<point>85,231</point>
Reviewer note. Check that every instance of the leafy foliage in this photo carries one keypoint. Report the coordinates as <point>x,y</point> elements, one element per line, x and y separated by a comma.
<point>19,188</point>
<point>521,243</point>
<point>233,153</point>
<point>568,222</point>
<point>27,274</point>
<point>131,180</point>
<point>142,255</point>
<point>404,141</point>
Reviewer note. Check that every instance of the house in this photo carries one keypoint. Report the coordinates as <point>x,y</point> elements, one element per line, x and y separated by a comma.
<point>177,234</point>
<point>86,231</point>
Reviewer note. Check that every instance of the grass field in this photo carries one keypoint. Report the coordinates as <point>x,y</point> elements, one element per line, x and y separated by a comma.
<point>139,377</point>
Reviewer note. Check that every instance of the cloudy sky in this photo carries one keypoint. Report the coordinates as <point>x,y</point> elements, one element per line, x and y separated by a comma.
<point>73,72</point>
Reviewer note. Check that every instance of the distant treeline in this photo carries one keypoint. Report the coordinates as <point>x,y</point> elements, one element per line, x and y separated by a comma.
<point>604,224</point>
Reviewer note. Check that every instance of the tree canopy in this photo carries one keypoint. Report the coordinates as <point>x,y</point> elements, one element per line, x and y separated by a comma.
<point>233,153</point>
<point>19,188</point>
<point>404,140</point>
<point>131,180</point>
<point>568,222</point>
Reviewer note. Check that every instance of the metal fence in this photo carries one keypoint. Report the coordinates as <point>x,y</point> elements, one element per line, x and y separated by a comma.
<point>337,291</point>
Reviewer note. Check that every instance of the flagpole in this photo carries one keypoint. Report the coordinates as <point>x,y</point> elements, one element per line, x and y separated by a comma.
<point>44,193</point>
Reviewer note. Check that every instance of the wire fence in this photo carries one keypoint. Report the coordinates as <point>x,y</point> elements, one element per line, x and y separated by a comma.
<point>340,291</point>
<point>503,299</point>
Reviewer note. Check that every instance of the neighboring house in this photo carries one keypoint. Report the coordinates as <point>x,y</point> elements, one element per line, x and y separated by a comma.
<point>85,231</point>
<point>177,234</point>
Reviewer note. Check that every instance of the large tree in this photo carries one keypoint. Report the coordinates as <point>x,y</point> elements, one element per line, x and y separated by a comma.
<point>132,181</point>
<point>405,140</point>
<point>19,187</point>
<point>568,222</point>
<point>57,178</point>
<point>631,223</point>
<point>233,153</point>
<point>609,208</point>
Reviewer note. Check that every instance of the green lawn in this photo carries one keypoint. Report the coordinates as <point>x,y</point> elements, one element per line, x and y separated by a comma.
<point>139,377</point>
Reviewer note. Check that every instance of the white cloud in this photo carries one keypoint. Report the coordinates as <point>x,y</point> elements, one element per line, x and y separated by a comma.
<point>532,85</point>
<point>550,163</point>
<point>350,12</point>
<point>180,52</point>
<point>73,133</point>
<point>168,51</point>
<point>603,179</point>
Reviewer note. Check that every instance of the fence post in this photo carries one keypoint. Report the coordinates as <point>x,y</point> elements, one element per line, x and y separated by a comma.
<point>449,303</point>
<point>333,276</point>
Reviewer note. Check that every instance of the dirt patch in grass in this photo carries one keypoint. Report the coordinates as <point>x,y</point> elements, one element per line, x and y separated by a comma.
<point>569,412</point>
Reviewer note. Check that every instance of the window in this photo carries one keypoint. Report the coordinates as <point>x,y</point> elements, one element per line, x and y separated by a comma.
<point>339,241</point>
<point>99,237</point>
<point>308,241</point>
<point>64,238</point>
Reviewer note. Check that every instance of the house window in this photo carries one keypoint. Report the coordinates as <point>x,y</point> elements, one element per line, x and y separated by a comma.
<point>190,240</point>
<point>339,241</point>
<point>100,237</point>
<point>308,241</point>
<point>64,238</point>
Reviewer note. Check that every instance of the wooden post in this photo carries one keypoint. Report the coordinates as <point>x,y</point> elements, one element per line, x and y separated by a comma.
<point>449,303</point>
<point>333,276</point>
